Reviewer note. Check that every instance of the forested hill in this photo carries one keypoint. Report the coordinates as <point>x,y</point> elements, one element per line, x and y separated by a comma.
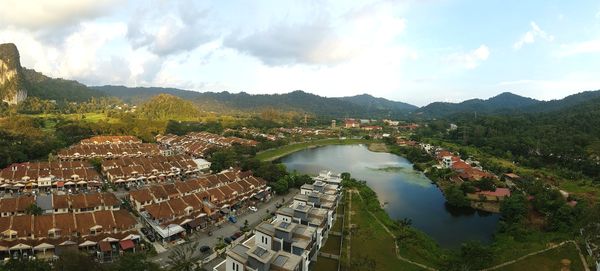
<point>502,103</point>
<point>505,103</point>
<point>294,101</point>
<point>58,89</point>
<point>568,138</point>
<point>375,103</point>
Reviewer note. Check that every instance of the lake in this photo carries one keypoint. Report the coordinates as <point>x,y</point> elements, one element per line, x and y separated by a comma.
<point>408,193</point>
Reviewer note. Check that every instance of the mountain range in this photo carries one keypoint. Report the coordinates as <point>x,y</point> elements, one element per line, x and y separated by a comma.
<point>17,82</point>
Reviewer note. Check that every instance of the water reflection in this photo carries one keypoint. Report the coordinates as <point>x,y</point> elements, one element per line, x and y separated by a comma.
<point>408,193</point>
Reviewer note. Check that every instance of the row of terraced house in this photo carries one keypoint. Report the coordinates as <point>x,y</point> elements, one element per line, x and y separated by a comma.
<point>172,209</point>
<point>198,144</point>
<point>290,241</point>
<point>90,222</point>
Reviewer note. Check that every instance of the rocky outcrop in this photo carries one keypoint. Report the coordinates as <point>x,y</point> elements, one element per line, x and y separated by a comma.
<point>12,82</point>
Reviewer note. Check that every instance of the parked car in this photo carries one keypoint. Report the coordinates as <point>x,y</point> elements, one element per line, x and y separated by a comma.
<point>233,219</point>
<point>237,234</point>
<point>253,209</point>
<point>144,231</point>
<point>151,238</point>
<point>228,240</point>
<point>204,249</point>
<point>233,237</point>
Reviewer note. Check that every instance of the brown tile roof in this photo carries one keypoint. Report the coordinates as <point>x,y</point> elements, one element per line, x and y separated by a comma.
<point>110,199</point>
<point>23,225</point>
<point>60,201</point>
<point>142,195</point>
<point>65,222</point>
<point>105,219</point>
<point>85,221</point>
<point>124,220</point>
<point>159,210</point>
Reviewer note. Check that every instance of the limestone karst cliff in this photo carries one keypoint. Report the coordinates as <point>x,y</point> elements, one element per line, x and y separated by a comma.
<point>13,88</point>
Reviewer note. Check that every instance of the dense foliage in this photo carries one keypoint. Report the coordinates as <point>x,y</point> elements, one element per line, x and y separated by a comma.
<point>567,140</point>
<point>165,107</point>
<point>298,101</point>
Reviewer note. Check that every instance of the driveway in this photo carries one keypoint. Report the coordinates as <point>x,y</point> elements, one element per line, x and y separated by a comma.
<point>228,228</point>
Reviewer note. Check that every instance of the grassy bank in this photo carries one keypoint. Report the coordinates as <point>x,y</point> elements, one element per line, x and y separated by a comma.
<point>372,242</point>
<point>549,260</point>
<point>272,154</point>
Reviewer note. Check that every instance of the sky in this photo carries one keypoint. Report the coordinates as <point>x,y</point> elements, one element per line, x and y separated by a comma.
<point>417,51</point>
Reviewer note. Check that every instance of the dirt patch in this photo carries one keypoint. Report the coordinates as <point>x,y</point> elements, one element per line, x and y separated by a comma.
<point>378,147</point>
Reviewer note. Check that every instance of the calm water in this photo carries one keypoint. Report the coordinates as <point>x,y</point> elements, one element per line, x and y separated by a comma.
<point>407,192</point>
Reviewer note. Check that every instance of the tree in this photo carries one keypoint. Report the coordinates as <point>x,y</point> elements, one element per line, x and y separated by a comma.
<point>73,260</point>
<point>281,186</point>
<point>33,209</point>
<point>136,261</point>
<point>346,176</point>
<point>514,209</point>
<point>456,197</point>
<point>182,258</point>
<point>97,163</point>
<point>26,265</point>
<point>486,184</point>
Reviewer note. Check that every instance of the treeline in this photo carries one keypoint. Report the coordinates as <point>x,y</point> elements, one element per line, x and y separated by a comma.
<point>566,140</point>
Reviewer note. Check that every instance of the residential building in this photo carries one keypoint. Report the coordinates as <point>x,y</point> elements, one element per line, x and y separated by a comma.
<point>290,237</point>
<point>46,176</point>
<point>256,258</point>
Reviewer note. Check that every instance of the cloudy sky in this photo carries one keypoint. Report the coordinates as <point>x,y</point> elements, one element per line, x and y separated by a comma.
<point>412,51</point>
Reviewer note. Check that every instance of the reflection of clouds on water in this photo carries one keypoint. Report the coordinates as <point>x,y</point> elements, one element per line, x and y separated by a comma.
<point>408,192</point>
<point>408,175</point>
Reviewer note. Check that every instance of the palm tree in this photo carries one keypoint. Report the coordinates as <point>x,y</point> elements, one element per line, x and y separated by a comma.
<point>182,258</point>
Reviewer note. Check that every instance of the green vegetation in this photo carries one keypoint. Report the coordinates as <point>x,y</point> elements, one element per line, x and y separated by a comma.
<point>332,246</point>
<point>372,245</point>
<point>325,264</point>
<point>166,107</point>
<point>563,142</point>
<point>273,154</point>
<point>73,260</point>
<point>549,260</point>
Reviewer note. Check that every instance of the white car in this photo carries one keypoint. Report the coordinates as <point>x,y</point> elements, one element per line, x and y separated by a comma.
<point>253,209</point>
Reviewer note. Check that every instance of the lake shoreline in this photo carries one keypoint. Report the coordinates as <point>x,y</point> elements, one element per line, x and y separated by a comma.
<point>403,191</point>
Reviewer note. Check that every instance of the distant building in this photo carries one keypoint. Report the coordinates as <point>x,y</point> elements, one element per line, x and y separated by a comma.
<point>351,123</point>
<point>332,124</point>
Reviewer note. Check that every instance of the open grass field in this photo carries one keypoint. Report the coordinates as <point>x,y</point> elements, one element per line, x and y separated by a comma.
<point>272,154</point>
<point>89,117</point>
<point>325,264</point>
<point>549,260</point>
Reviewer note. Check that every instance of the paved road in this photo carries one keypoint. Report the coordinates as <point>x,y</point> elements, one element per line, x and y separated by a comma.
<point>227,228</point>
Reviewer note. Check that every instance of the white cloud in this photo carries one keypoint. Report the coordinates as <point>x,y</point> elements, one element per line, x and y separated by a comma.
<point>171,27</point>
<point>585,47</point>
<point>326,40</point>
<point>38,14</point>
<point>531,35</point>
<point>469,60</point>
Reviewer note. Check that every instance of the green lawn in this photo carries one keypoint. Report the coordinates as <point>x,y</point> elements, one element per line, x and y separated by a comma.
<point>548,261</point>
<point>332,246</point>
<point>325,264</point>
<point>272,154</point>
<point>371,242</point>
